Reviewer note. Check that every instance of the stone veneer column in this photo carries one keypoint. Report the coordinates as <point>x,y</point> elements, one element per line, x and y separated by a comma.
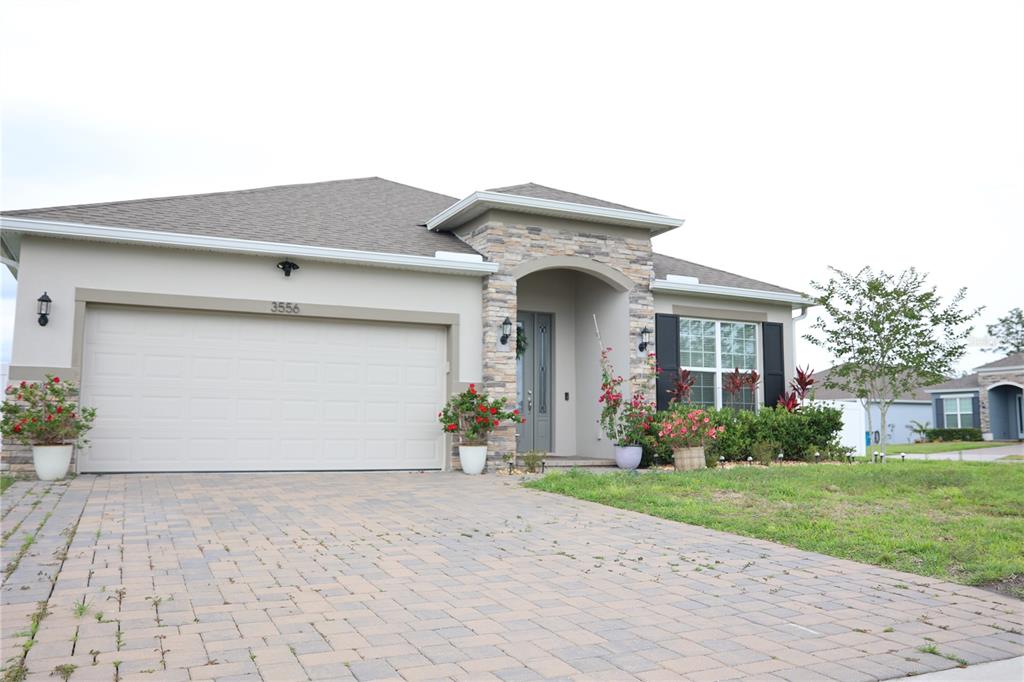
<point>499,362</point>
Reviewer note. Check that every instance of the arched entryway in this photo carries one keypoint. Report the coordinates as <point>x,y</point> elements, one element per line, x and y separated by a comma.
<point>558,373</point>
<point>1006,411</point>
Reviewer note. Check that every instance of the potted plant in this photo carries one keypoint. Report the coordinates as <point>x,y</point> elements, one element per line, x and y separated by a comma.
<point>472,415</point>
<point>44,415</point>
<point>625,422</point>
<point>686,433</point>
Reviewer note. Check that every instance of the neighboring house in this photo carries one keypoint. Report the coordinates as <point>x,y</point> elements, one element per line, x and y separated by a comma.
<point>204,348</point>
<point>992,399</point>
<point>908,407</point>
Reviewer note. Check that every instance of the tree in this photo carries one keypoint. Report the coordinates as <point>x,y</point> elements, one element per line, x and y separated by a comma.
<point>1008,333</point>
<point>889,333</point>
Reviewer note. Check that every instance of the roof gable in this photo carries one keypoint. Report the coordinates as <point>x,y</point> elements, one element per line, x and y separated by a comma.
<point>667,265</point>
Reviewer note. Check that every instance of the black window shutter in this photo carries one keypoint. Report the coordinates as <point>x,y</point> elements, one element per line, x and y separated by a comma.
<point>774,362</point>
<point>666,350</point>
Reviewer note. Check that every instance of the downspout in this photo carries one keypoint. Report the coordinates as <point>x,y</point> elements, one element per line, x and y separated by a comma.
<point>802,315</point>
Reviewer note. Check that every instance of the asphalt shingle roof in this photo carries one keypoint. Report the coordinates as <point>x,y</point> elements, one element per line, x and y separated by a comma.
<point>968,383</point>
<point>667,265</point>
<point>1011,360</point>
<point>531,189</point>
<point>820,392</point>
<point>368,214</point>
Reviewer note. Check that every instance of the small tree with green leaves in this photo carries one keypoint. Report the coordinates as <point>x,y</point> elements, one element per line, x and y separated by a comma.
<point>889,333</point>
<point>1008,333</point>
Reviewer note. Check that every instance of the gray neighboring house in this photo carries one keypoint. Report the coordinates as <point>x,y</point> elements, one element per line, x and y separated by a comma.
<point>205,349</point>
<point>914,406</point>
<point>991,398</point>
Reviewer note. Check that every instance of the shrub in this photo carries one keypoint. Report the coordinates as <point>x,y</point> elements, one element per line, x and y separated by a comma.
<point>798,435</point>
<point>532,460</point>
<point>764,451</point>
<point>953,434</point>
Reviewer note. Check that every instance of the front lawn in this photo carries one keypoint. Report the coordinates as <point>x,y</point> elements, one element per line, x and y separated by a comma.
<point>5,482</point>
<point>959,521</point>
<point>929,448</point>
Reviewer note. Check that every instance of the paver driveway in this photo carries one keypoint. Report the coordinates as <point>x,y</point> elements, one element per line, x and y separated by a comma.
<point>423,576</point>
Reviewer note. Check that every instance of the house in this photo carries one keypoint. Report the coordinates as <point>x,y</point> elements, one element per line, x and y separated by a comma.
<point>907,408</point>
<point>992,399</point>
<point>321,326</point>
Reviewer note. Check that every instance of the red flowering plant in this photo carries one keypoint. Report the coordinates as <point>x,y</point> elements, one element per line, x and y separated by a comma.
<point>680,392</point>
<point>625,422</point>
<point>690,430</point>
<point>799,387</point>
<point>44,413</point>
<point>472,415</point>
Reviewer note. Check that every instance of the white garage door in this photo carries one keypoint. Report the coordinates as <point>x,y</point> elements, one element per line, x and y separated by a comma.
<point>201,391</point>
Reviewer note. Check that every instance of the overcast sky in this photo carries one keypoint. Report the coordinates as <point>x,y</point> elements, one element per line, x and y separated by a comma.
<point>790,136</point>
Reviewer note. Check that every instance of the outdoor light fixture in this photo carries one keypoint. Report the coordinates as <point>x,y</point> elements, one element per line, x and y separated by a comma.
<point>645,335</point>
<point>43,309</point>
<point>287,267</point>
<point>506,331</point>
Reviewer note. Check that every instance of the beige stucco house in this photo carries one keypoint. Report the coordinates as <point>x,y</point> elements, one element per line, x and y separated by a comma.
<point>321,326</point>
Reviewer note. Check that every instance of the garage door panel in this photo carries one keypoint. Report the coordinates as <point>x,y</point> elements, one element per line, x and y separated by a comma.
<point>178,390</point>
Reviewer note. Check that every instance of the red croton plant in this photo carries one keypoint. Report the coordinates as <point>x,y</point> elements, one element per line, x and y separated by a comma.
<point>734,383</point>
<point>45,413</point>
<point>472,415</point>
<point>799,387</point>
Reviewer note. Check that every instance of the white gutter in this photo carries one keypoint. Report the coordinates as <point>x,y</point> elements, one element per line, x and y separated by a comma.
<point>795,300</point>
<point>453,266</point>
<point>478,202</point>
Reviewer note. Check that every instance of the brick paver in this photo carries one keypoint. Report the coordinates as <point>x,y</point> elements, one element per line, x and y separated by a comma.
<point>445,576</point>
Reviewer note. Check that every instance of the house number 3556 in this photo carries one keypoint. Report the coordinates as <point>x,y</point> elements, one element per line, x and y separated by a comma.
<point>284,307</point>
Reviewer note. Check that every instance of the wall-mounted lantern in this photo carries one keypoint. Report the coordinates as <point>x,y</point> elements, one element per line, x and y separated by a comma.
<point>287,267</point>
<point>506,331</point>
<point>43,309</point>
<point>645,337</point>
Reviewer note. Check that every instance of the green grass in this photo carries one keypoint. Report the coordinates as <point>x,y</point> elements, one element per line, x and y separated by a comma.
<point>6,482</point>
<point>1011,458</point>
<point>959,521</point>
<point>929,448</point>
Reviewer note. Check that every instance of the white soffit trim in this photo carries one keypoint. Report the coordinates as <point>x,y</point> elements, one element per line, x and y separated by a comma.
<point>454,266</point>
<point>668,287</point>
<point>479,202</point>
<point>999,370</point>
<point>965,390</point>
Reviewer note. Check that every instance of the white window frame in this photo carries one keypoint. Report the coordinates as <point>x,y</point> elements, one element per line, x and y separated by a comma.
<point>718,370</point>
<point>959,415</point>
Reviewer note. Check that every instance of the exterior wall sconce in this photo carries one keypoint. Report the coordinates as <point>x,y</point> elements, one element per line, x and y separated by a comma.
<point>287,267</point>
<point>506,331</point>
<point>43,309</point>
<point>645,337</point>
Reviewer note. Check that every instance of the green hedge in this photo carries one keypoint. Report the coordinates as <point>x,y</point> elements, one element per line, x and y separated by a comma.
<point>797,435</point>
<point>953,434</point>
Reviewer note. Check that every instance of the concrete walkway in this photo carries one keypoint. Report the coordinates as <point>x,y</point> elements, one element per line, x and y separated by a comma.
<point>980,455</point>
<point>446,576</point>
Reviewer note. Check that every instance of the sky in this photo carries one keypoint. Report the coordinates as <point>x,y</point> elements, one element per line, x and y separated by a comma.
<point>790,136</point>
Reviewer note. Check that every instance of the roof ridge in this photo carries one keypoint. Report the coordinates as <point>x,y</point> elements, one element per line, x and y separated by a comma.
<point>252,190</point>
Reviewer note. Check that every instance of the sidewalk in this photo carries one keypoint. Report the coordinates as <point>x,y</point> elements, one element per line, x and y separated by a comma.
<point>980,455</point>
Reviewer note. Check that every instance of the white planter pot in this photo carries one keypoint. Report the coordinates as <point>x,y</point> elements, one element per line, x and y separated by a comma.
<point>51,461</point>
<point>628,456</point>
<point>473,458</point>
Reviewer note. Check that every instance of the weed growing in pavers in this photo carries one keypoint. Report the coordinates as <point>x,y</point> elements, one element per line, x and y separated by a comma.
<point>81,608</point>
<point>889,629</point>
<point>15,671</point>
<point>934,650</point>
<point>64,671</point>
<point>98,616</point>
<point>94,653</point>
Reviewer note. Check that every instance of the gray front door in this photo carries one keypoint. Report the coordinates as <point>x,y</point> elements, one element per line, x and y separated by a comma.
<point>534,370</point>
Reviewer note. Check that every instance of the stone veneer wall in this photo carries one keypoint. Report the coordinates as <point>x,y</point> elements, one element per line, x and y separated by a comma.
<point>986,380</point>
<point>511,245</point>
